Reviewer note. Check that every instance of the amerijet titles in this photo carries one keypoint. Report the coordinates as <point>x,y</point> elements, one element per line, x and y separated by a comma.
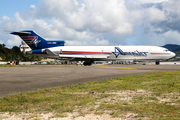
<point>118,52</point>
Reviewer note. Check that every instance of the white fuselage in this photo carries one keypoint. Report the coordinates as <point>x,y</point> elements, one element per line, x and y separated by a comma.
<point>107,53</point>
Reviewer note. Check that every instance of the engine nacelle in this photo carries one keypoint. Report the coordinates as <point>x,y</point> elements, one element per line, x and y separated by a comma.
<point>38,51</point>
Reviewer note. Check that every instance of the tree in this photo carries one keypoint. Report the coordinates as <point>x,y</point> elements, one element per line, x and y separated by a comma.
<point>4,52</point>
<point>15,54</point>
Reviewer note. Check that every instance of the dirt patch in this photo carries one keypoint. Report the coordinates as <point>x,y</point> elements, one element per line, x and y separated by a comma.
<point>50,116</point>
<point>92,111</point>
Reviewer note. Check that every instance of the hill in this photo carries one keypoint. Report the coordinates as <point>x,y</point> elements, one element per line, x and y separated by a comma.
<point>172,47</point>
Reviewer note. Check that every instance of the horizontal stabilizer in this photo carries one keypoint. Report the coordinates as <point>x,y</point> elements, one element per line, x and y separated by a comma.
<point>19,33</point>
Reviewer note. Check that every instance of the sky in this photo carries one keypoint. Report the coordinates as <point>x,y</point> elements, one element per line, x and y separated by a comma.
<point>93,22</point>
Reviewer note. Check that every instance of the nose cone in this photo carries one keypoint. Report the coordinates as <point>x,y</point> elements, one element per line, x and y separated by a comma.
<point>172,54</point>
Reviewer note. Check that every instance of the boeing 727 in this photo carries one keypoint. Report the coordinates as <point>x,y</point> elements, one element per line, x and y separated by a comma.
<point>89,54</point>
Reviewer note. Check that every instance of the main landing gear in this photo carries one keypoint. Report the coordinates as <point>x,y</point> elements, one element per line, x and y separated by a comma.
<point>157,62</point>
<point>87,63</point>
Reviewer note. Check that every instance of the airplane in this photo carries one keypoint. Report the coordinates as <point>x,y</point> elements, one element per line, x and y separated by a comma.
<point>89,54</point>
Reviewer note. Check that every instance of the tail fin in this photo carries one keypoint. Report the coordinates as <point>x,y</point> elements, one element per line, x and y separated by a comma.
<point>34,41</point>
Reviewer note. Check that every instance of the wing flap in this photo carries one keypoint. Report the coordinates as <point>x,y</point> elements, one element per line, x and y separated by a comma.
<point>84,56</point>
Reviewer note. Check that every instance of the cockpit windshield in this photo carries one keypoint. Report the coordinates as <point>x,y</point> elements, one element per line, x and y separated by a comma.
<point>166,50</point>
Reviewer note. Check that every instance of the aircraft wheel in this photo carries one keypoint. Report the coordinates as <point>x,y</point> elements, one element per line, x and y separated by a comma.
<point>157,62</point>
<point>87,63</point>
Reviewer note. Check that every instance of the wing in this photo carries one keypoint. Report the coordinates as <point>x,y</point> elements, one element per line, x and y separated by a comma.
<point>85,56</point>
<point>77,56</point>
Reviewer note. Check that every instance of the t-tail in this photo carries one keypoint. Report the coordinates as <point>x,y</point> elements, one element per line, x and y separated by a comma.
<point>35,42</point>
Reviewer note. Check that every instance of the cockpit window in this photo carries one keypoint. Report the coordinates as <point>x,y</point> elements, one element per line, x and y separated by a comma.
<point>166,50</point>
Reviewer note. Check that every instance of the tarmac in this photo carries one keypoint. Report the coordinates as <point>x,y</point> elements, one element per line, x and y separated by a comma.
<point>15,80</point>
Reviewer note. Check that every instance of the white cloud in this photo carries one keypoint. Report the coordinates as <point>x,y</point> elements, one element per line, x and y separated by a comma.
<point>172,37</point>
<point>155,15</point>
<point>32,7</point>
<point>97,16</point>
<point>14,41</point>
<point>172,10</point>
<point>5,18</point>
<point>101,42</point>
<point>97,22</point>
<point>152,1</point>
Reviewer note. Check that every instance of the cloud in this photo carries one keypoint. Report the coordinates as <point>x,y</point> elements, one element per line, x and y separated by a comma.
<point>20,22</point>
<point>172,13</point>
<point>170,36</point>
<point>155,15</point>
<point>97,16</point>
<point>152,1</point>
<point>89,20</point>
<point>102,22</point>
<point>101,42</point>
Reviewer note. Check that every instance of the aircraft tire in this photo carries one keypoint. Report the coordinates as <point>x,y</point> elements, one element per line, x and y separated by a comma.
<point>157,62</point>
<point>87,63</point>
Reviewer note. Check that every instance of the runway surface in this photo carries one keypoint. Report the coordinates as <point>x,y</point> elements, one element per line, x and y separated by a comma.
<point>24,79</point>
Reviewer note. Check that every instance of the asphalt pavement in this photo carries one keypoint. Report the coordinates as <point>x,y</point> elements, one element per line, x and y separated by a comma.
<point>24,79</point>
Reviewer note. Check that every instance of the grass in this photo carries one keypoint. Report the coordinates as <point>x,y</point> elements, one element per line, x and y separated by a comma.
<point>152,96</point>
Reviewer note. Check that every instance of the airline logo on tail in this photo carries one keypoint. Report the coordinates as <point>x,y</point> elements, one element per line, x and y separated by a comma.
<point>118,52</point>
<point>31,40</point>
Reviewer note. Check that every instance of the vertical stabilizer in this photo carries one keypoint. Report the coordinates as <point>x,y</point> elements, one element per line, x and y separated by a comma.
<point>34,41</point>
